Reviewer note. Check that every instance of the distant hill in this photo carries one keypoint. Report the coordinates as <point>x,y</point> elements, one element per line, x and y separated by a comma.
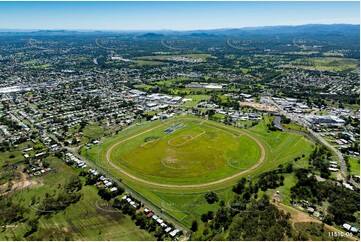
<point>150,36</point>
<point>202,35</point>
<point>309,28</point>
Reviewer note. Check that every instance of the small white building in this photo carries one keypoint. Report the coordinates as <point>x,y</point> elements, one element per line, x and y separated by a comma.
<point>346,226</point>
<point>174,232</point>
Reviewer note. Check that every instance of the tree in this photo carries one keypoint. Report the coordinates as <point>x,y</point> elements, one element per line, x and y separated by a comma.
<point>240,186</point>
<point>141,220</point>
<point>194,226</point>
<point>211,197</point>
<point>289,168</point>
<point>204,218</point>
<point>74,184</point>
<point>104,193</point>
<point>33,226</point>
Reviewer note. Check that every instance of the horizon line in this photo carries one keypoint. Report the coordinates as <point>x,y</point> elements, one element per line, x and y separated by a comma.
<point>175,30</point>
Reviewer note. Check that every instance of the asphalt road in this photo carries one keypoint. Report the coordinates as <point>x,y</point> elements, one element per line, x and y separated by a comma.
<point>343,167</point>
<point>277,122</point>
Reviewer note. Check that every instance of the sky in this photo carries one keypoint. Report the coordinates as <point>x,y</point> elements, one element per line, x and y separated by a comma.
<point>172,15</point>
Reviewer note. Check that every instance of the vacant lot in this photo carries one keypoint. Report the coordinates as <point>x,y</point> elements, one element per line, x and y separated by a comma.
<point>195,100</point>
<point>355,165</point>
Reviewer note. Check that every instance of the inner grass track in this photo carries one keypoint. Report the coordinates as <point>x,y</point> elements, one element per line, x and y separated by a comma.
<point>204,155</point>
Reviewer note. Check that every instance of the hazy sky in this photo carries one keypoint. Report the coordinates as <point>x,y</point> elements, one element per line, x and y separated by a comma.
<point>172,15</point>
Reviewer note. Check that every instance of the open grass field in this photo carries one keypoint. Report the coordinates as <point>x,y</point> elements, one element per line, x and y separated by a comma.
<point>147,63</point>
<point>91,218</point>
<point>294,126</point>
<point>44,66</point>
<point>195,100</point>
<point>11,157</point>
<point>355,165</point>
<point>332,63</point>
<point>93,132</point>
<point>143,87</point>
<point>184,198</point>
<point>16,155</point>
<point>302,53</point>
<point>285,190</point>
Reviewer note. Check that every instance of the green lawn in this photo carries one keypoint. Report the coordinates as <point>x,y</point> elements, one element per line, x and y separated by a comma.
<point>285,190</point>
<point>218,116</point>
<point>195,100</point>
<point>148,63</point>
<point>295,127</point>
<point>355,165</point>
<point>143,87</point>
<point>93,132</point>
<point>84,221</point>
<point>44,66</point>
<point>7,157</point>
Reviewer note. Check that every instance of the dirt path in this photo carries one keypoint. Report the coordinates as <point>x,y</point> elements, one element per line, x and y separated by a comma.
<point>298,216</point>
<point>17,184</point>
<point>181,186</point>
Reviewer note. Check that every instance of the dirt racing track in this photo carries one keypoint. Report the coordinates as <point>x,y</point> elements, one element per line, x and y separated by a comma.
<point>260,161</point>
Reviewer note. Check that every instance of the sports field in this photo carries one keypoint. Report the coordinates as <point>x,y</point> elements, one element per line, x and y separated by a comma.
<point>185,152</point>
<point>190,152</point>
<point>173,163</point>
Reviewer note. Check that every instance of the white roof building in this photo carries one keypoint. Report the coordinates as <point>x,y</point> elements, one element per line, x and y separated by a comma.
<point>346,226</point>
<point>174,232</point>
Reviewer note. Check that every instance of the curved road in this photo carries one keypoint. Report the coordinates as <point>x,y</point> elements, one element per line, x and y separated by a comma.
<point>343,168</point>
<point>277,123</point>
